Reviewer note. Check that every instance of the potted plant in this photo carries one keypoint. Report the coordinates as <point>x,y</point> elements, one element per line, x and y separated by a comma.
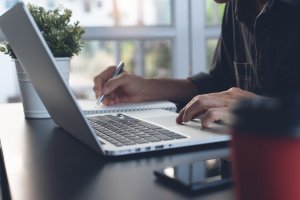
<point>64,40</point>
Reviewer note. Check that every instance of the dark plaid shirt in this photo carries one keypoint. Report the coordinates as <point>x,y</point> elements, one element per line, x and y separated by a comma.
<point>256,52</point>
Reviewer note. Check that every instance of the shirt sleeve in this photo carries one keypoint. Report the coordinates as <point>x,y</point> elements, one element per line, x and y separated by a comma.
<point>221,75</point>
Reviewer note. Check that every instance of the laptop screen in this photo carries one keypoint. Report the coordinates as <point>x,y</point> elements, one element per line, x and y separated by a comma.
<point>33,53</point>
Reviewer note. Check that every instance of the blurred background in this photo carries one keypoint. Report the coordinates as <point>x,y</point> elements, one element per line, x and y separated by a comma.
<point>155,38</point>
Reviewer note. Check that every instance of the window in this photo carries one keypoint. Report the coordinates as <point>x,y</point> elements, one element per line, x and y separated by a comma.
<point>155,38</point>
<point>213,14</point>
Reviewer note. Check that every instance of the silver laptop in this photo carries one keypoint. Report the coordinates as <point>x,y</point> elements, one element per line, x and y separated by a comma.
<point>113,135</point>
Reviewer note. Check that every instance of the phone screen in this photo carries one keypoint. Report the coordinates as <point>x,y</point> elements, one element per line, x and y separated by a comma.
<point>199,175</point>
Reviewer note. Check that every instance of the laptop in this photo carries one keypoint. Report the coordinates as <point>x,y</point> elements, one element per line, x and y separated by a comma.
<point>110,135</point>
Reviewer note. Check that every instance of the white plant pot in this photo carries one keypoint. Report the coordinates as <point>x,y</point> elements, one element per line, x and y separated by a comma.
<point>32,104</point>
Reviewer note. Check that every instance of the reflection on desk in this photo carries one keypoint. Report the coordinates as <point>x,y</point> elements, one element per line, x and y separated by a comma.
<point>43,162</point>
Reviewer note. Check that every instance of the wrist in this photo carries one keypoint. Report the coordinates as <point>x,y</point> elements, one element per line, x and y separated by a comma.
<point>176,90</point>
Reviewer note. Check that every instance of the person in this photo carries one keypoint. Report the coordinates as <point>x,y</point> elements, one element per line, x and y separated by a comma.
<point>258,53</point>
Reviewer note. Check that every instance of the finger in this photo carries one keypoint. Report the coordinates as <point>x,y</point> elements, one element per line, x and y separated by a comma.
<point>179,117</point>
<point>101,79</point>
<point>109,100</point>
<point>181,113</point>
<point>114,83</point>
<point>235,93</point>
<point>201,104</point>
<point>215,114</point>
<point>97,86</point>
<point>225,95</point>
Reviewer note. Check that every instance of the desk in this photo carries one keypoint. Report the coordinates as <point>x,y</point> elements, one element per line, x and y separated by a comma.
<point>42,162</point>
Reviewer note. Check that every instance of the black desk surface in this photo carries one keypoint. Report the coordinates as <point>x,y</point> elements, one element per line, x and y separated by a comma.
<point>42,162</point>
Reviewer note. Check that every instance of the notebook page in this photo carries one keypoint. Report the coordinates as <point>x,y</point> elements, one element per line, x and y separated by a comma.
<point>89,107</point>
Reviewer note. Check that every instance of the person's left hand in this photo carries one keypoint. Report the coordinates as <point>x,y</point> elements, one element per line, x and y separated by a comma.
<point>213,107</point>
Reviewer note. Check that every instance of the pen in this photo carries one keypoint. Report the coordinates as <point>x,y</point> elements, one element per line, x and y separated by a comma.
<point>118,70</point>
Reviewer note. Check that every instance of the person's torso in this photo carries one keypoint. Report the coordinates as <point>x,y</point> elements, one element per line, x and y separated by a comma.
<point>266,56</point>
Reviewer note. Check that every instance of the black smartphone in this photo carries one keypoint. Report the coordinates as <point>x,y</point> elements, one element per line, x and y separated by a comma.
<point>202,175</point>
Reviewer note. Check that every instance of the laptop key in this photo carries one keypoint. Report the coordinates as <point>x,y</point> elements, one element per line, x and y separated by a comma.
<point>129,143</point>
<point>123,140</point>
<point>179,137</point>
<point>148,125</point>
<point>100,134</point>
<point>124,130</point>
<point>171,134</point>
<point>101,142</point>
<point>142,135</point>
<point>133,138</point>
<point>135,131</point>
<point>119,144</point>
<point>163,137</point>
<point>140,141</point>
<point>111,140</point>
<point>152,139</point>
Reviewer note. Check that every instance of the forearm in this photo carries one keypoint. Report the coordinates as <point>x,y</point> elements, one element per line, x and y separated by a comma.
<point>176,90</point>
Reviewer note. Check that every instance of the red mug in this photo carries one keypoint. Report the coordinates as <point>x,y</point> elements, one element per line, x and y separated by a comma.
<point>265,149</point>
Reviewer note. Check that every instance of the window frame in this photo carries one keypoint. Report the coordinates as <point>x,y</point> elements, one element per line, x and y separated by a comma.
<point>188,33</point>
<point>177,32</point>
<point>202,33</point>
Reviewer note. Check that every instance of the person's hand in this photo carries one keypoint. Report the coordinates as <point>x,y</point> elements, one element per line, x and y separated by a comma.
<point>131,88</point>
<point>212,107</point>
<point>124,88</point>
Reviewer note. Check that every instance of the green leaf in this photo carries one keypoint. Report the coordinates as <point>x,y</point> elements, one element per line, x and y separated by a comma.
<point>63,38</point>
<point>2,48</point>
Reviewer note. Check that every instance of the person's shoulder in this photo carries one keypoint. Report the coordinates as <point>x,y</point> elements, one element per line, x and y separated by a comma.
<point>291,2</point>
<point>230,9</point>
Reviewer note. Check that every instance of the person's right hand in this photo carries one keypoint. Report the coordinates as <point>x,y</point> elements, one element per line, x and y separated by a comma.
<point>124,88</point>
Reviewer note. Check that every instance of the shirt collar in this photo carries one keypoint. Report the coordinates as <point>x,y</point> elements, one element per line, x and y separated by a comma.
<point>245,10</point>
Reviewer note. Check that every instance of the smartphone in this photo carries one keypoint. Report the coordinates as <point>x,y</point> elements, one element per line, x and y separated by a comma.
<point>202,175</point>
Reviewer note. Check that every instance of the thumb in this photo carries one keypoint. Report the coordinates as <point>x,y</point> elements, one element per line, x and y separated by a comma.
<point>215,114</point>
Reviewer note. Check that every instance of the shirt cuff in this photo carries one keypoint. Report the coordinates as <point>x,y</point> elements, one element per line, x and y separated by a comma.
<point>204,83</point>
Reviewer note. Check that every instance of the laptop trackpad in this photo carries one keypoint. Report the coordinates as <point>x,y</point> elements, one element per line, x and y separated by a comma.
<point>162,118</point>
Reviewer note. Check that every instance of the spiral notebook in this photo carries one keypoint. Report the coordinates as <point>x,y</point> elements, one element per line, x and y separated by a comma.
<point>90,108</point>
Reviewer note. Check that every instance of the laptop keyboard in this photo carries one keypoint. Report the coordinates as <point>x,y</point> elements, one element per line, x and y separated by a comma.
<point>122,130</point>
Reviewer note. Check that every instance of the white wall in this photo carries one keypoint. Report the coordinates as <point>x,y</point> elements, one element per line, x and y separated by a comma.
<point>8,78</point>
